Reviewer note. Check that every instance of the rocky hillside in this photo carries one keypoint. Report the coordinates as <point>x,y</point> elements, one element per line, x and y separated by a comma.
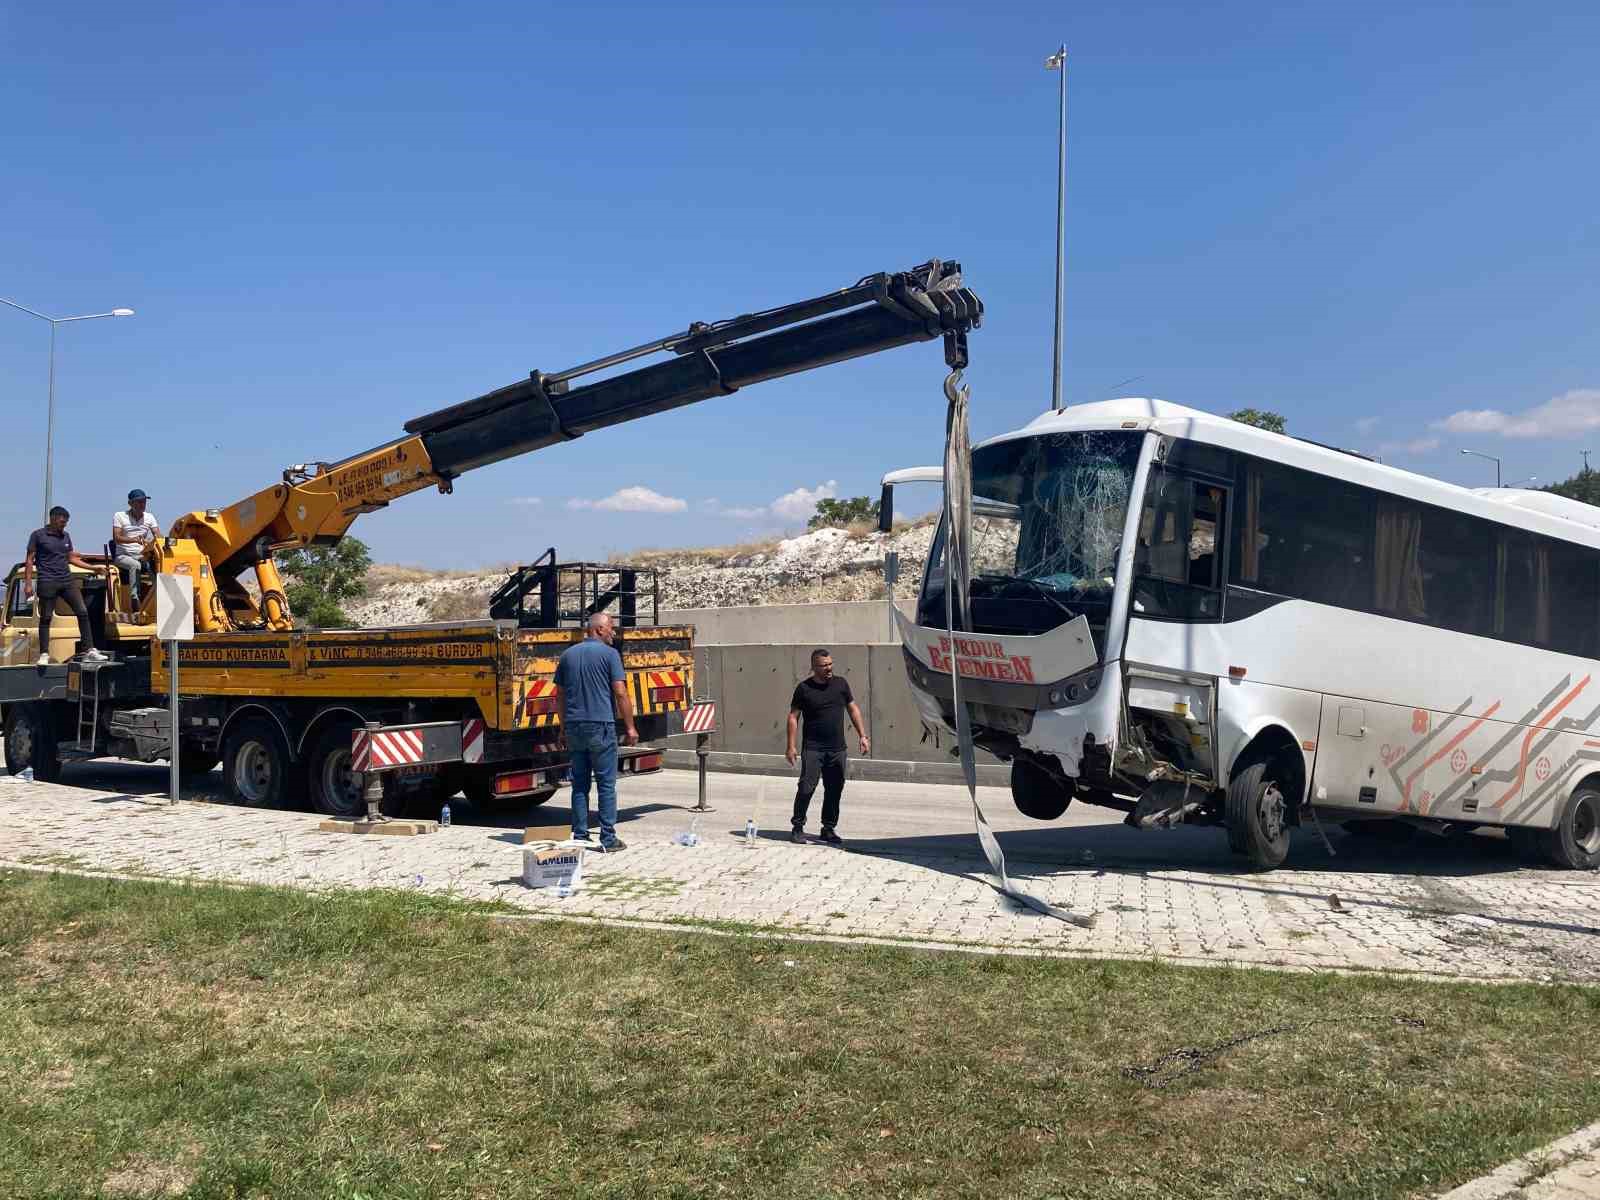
<point>826,564</point>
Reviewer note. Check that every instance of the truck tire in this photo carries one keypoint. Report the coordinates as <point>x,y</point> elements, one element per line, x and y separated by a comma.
<point>1257,817</point>
<point>1574,843</point>
<point>1036,792</point>
<point>31,742</point>
<point>336,790</point>
<point>256,767</point>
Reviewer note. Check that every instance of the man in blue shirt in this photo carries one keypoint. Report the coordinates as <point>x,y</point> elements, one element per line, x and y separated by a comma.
<point>589,678</point>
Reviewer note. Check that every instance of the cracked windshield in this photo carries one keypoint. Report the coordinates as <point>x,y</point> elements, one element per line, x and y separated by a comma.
<point>1048,516</point>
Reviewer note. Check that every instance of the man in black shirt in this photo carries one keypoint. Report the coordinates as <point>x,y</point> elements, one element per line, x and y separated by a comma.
<point>50,552</point>
<point>822,699</point>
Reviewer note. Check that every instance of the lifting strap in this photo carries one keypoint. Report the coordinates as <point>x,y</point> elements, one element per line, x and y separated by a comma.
<point>957,580</point>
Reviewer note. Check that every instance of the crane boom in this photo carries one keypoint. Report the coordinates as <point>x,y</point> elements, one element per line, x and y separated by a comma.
<point>318,502</point>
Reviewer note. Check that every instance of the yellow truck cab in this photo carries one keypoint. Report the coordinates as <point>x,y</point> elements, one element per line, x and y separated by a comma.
<point>108,600</point>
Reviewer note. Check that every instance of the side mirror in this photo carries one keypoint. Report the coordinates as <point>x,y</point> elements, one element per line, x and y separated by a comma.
<point>886,509</point>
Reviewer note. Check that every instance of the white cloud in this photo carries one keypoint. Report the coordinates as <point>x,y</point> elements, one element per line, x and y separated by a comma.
<point>1577,411</point>
<point>798,505</point>
<point>634,499</point>
<point>1421,445</point>
<point>1368,424</point>
<point>529,501</point>
<point>801,503</point>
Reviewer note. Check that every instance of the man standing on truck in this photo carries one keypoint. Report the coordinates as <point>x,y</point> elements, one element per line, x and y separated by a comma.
<point>132,531</point>
<point>823,699</point>
<point>51,550</point>
<point>589,677</point>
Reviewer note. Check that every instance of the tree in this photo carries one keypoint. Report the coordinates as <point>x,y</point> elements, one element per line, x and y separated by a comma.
<point>1585,486</point>
<point>320,579</point>
<point>1261,418</point>
<point>853,511</point>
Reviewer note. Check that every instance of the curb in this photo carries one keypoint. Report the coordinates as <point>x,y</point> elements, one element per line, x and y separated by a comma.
<point>877,770</point>
<point>1539,1172</point>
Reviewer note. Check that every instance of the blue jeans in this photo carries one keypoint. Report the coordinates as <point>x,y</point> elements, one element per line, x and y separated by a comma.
<point>593,747</point>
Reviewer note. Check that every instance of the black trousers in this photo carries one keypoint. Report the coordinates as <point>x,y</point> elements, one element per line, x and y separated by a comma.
<point>70,591</point>
<point>828,766</point>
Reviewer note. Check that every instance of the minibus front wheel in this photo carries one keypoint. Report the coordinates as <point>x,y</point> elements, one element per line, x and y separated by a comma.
<point>1258,816</point>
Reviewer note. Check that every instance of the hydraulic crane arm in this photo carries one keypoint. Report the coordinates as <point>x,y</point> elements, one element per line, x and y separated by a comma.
<point>316,503</point>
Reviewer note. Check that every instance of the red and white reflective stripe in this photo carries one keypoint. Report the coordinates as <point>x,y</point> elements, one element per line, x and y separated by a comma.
<point>396,748</point>
<point>386,748</point>
<point>472,740</point>
<point>701,717</point>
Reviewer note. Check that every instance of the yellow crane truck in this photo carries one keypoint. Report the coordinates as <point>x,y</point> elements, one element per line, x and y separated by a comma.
<point>279,705</point>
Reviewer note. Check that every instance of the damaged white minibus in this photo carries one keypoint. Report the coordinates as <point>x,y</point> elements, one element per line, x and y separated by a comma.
<point>1193,620</point>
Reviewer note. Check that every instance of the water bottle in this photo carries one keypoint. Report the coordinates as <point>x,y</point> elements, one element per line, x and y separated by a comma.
<point>27,774</point>
<point>750,832</point>
<point>444,816</point>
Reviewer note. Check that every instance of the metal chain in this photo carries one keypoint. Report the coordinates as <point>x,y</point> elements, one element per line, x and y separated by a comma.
<point>1193,1058</point>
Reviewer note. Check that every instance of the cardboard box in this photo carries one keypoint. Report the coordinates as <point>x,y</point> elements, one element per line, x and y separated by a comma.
<point>553,867</point>
<point>546,833</point>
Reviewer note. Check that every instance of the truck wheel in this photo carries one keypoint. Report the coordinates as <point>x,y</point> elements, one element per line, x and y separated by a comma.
<point>31,742</point>
<point>335,788</point>
<point>1257,818</point>
<point>1575,841</point>
<point>1036,792</point>
<point>256,768</point>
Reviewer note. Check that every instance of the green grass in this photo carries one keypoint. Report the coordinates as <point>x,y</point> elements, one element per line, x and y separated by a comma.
<point>246,1042</point>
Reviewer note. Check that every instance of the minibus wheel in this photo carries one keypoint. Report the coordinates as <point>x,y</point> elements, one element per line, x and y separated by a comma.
<point>1036,792</point>
<point>1575,841</point>
<point>1258,817</point>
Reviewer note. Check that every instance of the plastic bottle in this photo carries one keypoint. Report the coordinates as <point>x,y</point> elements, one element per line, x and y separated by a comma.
<point>690,836</point>
<point>750,832</point>
<point>444,816</point>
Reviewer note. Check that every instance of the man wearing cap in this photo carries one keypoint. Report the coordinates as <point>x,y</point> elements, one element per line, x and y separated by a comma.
<point>132,529</point>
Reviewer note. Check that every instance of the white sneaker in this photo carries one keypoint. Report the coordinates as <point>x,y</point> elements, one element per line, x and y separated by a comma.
<point>95,656</point>
<point>44,660</point>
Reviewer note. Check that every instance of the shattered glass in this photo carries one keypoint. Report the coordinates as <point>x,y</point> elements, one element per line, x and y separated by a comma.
<point>1048,517</point>
<point>1051,510</point>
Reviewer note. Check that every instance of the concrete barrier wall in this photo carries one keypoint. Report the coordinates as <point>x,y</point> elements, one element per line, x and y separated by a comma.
<point>753,685</point>
<point>850,622</point>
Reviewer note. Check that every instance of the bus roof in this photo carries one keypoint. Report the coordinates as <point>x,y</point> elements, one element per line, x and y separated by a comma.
<point>1542,512</point>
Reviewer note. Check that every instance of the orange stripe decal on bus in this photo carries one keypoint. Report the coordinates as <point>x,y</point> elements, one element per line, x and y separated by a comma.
<point>1522,764</point>
<point>1449,746</point>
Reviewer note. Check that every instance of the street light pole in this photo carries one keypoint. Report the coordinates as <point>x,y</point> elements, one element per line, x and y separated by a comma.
<point>1058,62</point>
<point>1491,458</point>
<point>50,415</point>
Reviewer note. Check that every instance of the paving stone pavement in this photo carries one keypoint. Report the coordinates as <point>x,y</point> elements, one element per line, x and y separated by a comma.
<point>1470,913</point>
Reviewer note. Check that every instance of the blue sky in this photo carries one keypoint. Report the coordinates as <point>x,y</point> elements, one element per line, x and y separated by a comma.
<point>332,218</point>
